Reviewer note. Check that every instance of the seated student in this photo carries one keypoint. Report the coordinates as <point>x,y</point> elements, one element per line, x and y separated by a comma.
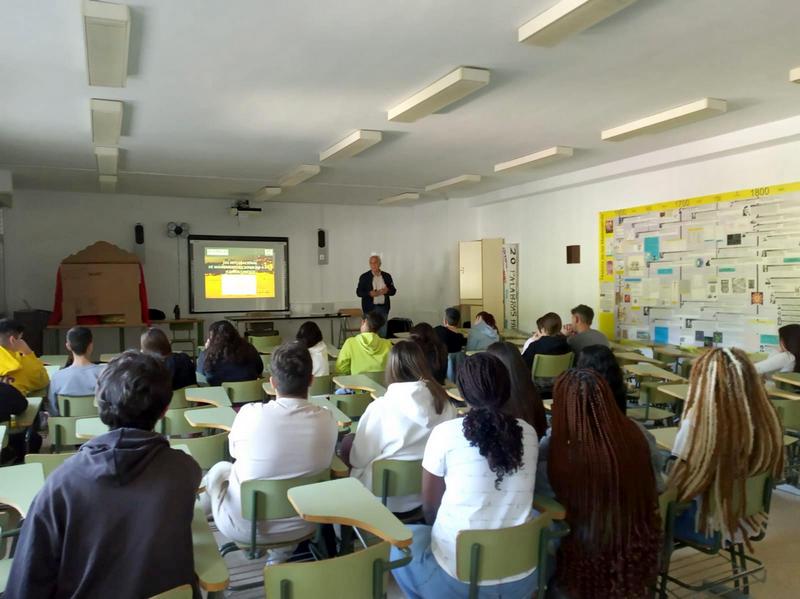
<point>180,366</point>
<point>435,351</point>
<point>449,334</point>
<point>729,431</point>
<point>284,438</point>
<point>483,332</point>
<point>367,351</point>
<point>397,425</point>
<point>786,360</point>
<point>548,340</point>
<point>228,357</point>
<point>601,359</point>
<point>525,402</point>
<point>478,472</point>
<point>581,332</point>
<point>12,403</point>
<point>310,335</point>
<point>115,519</point>
<point>19,366</point>
<point>599,467</point>
<point>80,377</point>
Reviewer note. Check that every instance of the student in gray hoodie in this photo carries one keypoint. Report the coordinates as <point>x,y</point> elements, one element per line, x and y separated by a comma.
<point>115,519</point>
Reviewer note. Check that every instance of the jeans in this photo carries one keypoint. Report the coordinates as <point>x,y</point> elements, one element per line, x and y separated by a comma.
<point>424,578</point>
<point>385,313</point>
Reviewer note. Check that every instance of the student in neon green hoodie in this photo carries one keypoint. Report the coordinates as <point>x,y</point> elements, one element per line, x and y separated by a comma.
<point>365,352</point>
<point>19,366</point>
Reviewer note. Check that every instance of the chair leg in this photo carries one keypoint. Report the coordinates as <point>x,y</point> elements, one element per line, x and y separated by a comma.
<point>743,564</point>
<point>734,564</point>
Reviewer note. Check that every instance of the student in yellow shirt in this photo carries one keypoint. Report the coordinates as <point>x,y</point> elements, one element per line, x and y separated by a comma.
<point>365,352</point>
<point>19,366</point>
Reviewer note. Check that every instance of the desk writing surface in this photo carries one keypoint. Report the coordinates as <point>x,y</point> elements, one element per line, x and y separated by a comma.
<point>51,369</point>
<point>403,335</point>
<point>548,404</point>
<point>665,437</point>
<point>221,418</point>
<point>216,396</point>
<point>649,370</point>
<point>636,357</point>
<point>89,428</point>
<point>358,382</point>
<point>347,501</point>
<point>789,378</point>
<point>20,484</point>
<point>106,358</point>
<point>333,352</point>
<point>781,394</point>
<point>209,566</point>
<point>329,403</point>
<point>53,360</point>
<point>27,417</point>
<point>678,391</point>
<point>674,352</point>
<point>454,393</point>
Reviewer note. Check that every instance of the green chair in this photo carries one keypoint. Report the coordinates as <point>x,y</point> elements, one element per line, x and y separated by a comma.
<point>174,422</point>
<point>266,360</point>
<point>649,395</point>
<point>207,450</point>
<point>183,334</point>
<point>5,564</point>
<point>394,478</point>
<point>758,496</point>
<point>181,592</point>
<point>789,414</point>
<point>504,552</point>
<point>76,405</point>
<point>268,500</point>
<point>54,359</point>
<point>667,507</point>
<point>61,430</point>
<point>49,461</point>
<point>265,344</point>
<point>322,385</point>
<point>246,391</point>
<point>378,376</point>
<point>178,400</point>
<point>360,575</point>
<point>354,405</point>
<point>549,367</point>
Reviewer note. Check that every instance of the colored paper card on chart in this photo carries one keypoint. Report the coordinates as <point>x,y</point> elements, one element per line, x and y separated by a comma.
<point>661,335</point>
<point>651,248</point>
<point>769,340</point>
<point>664,271</point>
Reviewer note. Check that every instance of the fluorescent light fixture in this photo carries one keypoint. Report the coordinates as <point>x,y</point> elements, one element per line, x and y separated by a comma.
<point>107,32</point>
<point>401,197</point>
<point>266,193</point>
<point>459,181</point>
<point>353,144</point>
<point>108,183</point>
<point>107,159</point>
<point>794,75</point>
<point>674,117</point>
<point>566,18</point>
<point>300,174</point>
<point>536,159</point>
<point>106,122</point>
<point>450,88</point>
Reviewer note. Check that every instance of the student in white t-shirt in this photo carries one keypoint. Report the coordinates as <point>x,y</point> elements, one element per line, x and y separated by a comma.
<point>786,359</point>
<point>284,438</point>
<point>80,377</point>
<point>310,335</point>
<point>478,473</point>
<point>397,425</point>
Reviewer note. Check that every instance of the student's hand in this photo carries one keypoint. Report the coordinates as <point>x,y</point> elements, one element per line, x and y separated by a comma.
<point>8,380</point>
<point>567,330</point>
<point>18,344</point>
<point>373,293</point>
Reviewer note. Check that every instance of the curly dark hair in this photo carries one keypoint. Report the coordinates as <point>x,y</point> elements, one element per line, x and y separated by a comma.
<point>485,385</point>
<point>225,343</point>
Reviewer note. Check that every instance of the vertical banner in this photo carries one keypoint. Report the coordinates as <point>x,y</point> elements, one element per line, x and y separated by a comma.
<point>510,286</point>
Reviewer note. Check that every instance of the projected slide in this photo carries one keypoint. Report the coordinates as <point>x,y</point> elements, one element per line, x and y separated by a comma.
<point>239,273</point>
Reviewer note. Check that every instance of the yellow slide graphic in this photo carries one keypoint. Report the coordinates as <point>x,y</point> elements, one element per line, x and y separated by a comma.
<point>239,273</point>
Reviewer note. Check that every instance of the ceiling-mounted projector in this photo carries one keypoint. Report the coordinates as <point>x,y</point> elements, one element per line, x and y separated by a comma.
<point>243,207</point>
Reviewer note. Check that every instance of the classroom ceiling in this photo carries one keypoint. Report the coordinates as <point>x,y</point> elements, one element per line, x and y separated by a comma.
<point>223,98</point>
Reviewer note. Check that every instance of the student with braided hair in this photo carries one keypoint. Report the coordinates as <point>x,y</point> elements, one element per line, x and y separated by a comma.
<point>478,473</point>
<point>729,432</point>
<point>601,472</point>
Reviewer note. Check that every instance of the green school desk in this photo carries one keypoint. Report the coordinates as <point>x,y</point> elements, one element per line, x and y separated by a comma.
<point>19,485</point>
<point>216,396</point>
<point>25,420</point>
<point>359,382</point>
<point>89,428</point>
<point>651,371</point>
<point>219,418</point>
<point>209,566</point>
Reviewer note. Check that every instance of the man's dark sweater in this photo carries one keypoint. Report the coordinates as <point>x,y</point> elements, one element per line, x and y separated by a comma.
<point>112,521</point>
<point>549,345</point>
<point>455,342</point>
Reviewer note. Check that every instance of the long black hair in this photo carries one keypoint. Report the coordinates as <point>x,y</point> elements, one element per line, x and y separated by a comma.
<point>485,385</point>
<point>524,401</point>
<point>601,359</point>
<point>435,351</point>
<point>790,336</point>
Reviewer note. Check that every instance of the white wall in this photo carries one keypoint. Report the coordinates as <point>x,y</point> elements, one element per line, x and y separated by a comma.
<point>545,223</point>
<point>419,247</point>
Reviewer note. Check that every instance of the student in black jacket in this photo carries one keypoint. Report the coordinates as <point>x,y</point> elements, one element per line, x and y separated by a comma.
<point>452,339</point>
<point>375,288</point>
<point>115,520</point>
<point>180,366</point>
<point>547,341</point>
<point>228,357</point>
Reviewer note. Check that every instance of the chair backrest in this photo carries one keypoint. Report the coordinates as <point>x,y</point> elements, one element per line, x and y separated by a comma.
<point>207,450</point>
<point>392,478</point>
<point>76,405</point>
<point>181,592</point>
<point>788,412</point>
<point>322,385</point>
<point>246,391</point>
<point>49,461</point>
<point>267,499</point>
<point>265,343</point>
<point>499,553</point>
<point>354,404</point>
<point>174,422</point>
<point>61,431</point>
<point>179,398</point>
<point>758,496</point>
<point>551,366</point>
<point>377,376</point>
<point>454,361</point>
<point>353,576</point>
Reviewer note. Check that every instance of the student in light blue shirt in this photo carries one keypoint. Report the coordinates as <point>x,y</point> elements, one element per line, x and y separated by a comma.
<point>80,377</point>
<point>483,332</point>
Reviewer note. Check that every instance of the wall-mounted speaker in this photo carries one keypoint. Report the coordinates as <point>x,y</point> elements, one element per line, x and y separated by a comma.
<point>138,237</point>
<point>322,246</point>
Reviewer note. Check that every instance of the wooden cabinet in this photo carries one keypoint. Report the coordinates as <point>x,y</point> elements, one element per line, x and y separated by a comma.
<point>480,266</point>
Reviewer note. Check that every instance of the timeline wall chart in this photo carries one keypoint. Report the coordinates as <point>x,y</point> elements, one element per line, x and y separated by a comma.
<point>722,269</point>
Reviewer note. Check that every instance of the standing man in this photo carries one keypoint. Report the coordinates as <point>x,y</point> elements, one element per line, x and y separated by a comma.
<point>375,287</point>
